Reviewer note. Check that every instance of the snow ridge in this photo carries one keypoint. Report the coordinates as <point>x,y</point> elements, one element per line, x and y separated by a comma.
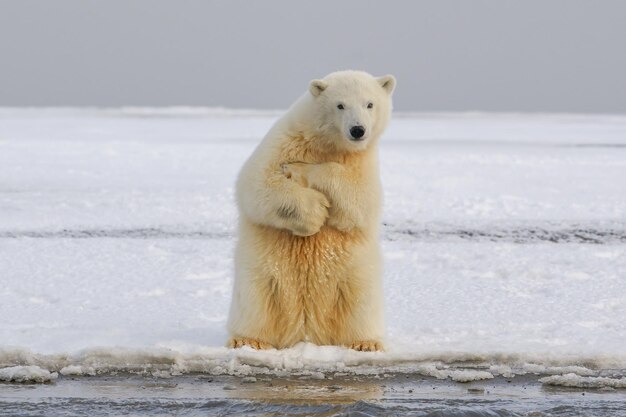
<point>307,359</point>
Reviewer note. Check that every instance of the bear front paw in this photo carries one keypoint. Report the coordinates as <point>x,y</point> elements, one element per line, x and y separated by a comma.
<point>311,214</point>
<point>237,342</point>
<point>367,346</point>
<point>297,171</point>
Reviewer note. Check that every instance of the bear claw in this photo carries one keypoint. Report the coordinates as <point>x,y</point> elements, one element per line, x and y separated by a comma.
<point>367,346</point>
<point>237,342</point>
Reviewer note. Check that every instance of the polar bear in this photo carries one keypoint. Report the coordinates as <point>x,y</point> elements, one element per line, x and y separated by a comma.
<point>307,261</point>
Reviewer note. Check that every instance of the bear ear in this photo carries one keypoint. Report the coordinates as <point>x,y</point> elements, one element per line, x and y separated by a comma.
<point>316,87</point>
<point>388,82</point>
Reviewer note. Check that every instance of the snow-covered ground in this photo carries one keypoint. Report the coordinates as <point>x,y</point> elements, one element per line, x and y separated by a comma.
<point>504,239</point>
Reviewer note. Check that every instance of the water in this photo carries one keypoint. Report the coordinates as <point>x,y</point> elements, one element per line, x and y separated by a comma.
<point>201,395</point>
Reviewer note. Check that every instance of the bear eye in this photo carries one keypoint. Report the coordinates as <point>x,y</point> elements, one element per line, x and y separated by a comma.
<point>370,105</point>
<point>340,106</point>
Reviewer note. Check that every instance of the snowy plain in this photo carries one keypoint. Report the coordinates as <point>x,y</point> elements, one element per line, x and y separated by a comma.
<point>504,240</point>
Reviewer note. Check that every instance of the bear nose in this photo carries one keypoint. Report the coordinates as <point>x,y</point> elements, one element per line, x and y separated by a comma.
<point>357,132</point>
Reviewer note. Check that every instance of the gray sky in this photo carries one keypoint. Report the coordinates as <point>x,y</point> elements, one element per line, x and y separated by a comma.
<point>502,55</point>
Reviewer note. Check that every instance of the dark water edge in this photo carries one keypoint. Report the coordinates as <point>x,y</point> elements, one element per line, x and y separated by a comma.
<point>403,395</point>
<point>608,232</point>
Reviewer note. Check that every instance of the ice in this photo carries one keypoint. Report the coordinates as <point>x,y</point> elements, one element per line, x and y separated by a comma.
<point>26,374</point>
<point>574,380</point>
<point>77,370</point>
<point>504,240</point>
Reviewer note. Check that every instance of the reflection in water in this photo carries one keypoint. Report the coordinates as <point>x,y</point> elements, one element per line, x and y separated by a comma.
<point>309,391</point>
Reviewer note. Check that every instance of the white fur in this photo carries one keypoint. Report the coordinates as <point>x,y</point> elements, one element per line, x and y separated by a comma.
<point>309,178</point>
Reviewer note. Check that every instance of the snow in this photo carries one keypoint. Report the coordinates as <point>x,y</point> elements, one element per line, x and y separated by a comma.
<point>504,241</point>
<point>26,374</point>
<point>77,370</point>
<point>574,380</point>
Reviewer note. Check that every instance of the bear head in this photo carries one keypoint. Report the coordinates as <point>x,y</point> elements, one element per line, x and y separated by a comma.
<point>351,108</point>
